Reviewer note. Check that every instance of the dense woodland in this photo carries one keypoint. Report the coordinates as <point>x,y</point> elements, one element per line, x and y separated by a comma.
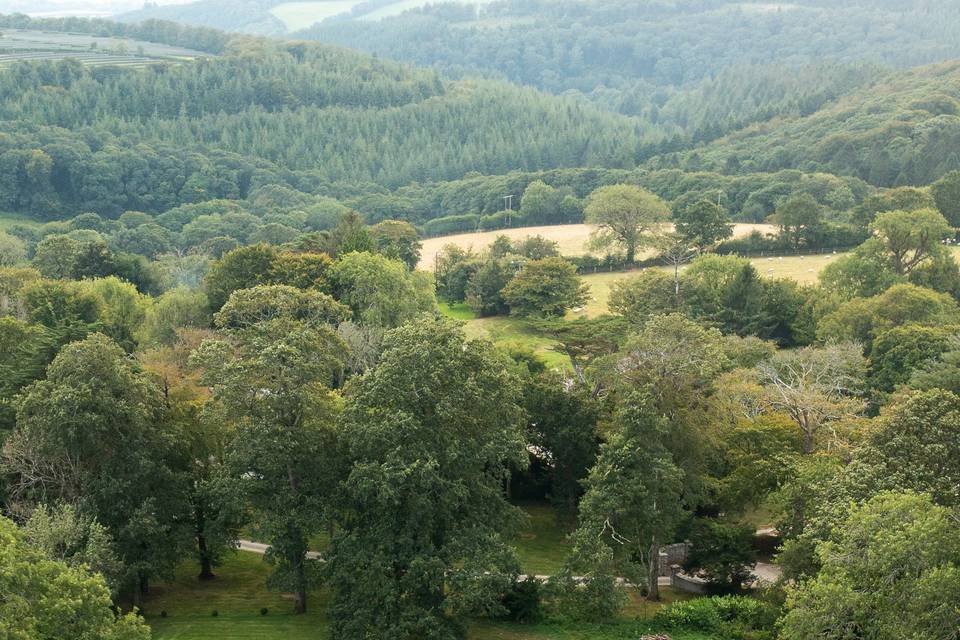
<point>213,328</point>
<point>596,48</point>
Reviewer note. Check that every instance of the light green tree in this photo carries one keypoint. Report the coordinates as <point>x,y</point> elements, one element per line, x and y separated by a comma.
<point>626,216</point>
<point>380,291</point>
<point>911,238</point>
<point>892,572</point>
<point>45,599</point>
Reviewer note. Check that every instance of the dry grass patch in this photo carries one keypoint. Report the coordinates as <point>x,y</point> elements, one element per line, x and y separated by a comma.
<point>572,239</point>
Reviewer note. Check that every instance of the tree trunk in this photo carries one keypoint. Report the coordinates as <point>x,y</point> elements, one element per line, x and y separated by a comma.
<point>653,572</point>
<point>631,252</point>
<point>137,596</point>
<point>206,564</point>
<point>300,594</point>
<point>808,443</point>
<point>809,431</point>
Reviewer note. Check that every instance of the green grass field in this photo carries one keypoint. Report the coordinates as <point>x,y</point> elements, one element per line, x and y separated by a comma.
<point>542,545</point>
<point>238,593</point>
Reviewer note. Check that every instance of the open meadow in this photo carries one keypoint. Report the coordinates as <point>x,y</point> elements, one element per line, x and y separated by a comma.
<point>572,239</point>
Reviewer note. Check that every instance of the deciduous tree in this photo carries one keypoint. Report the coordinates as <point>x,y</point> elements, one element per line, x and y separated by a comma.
<point>429,434</point>
<point>625,217</point>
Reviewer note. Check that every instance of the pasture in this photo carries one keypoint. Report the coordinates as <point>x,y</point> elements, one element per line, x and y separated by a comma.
<point>803,269</point>
<point>572,239</point>
<point>300,15</point>
<point>28,45</point>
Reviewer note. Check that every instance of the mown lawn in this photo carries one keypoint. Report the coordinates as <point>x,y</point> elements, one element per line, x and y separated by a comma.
<point>507,331</point>
<point>542,545</point>
<point>239,592</point>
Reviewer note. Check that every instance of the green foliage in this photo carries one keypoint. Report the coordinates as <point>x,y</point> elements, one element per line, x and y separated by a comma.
<point>397,240</point>
<point>914,447</point>
<point>271,374</point>
<point>543,204</point>
<point>911,237</point>
<point>13,250</point>
<point>625,216</point>
<point>633,501</point>
<point>800,219</point>
<point>419,546</point>
<point>757,455</point>
<point>648,294</point>
<point>861,319</point>
<point>563,424</point>
<point>484,289</point>
<point>730,617</point>
<point>864,272</point>
<point>891,571</point>
<point>74,538</point>
<point>895,354</point>
<point>722,552</point>
<point>381,292</point>
<point>547,287</point>
<point>946,195</point>
<point>703,224</point>
<point>46,599</point>
<point>93,395</point>
<point>238,269</point>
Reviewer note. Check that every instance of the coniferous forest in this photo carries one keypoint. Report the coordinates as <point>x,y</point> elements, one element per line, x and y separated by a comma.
<point>526,319</point>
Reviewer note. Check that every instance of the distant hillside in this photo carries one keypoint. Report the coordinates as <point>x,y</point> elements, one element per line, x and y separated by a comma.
<point>276,17</point>
<point>904,130</point>
<point>319,118</point>
<point>243,16</point>
<point>630,46</point>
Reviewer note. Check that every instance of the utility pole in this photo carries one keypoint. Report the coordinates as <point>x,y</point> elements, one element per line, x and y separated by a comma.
<point>508,205</point>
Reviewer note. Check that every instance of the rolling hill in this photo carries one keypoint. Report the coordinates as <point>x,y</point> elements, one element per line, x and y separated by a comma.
<point>902,130</point>
<point>319,118</point>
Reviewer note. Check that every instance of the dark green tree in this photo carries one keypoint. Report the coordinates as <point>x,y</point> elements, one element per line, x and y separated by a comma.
<point>429,434</point>
<point>547,287</point>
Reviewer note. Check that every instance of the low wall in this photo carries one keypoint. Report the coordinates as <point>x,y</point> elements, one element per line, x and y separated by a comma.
<point>687,583</point>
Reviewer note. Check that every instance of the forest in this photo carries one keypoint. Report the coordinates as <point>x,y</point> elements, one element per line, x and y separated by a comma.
<point>238,398</point>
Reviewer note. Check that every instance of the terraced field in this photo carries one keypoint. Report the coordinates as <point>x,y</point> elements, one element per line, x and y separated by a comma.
<point>25,45</point>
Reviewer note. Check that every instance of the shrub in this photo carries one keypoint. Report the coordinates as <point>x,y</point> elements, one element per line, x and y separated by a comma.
<point>522,602</point>
<point>264,611</point>
<point>729,617</point>
<point>723,552</point>
<point>215,613</point>
<point>451,224</point>
<point>163,614</point>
